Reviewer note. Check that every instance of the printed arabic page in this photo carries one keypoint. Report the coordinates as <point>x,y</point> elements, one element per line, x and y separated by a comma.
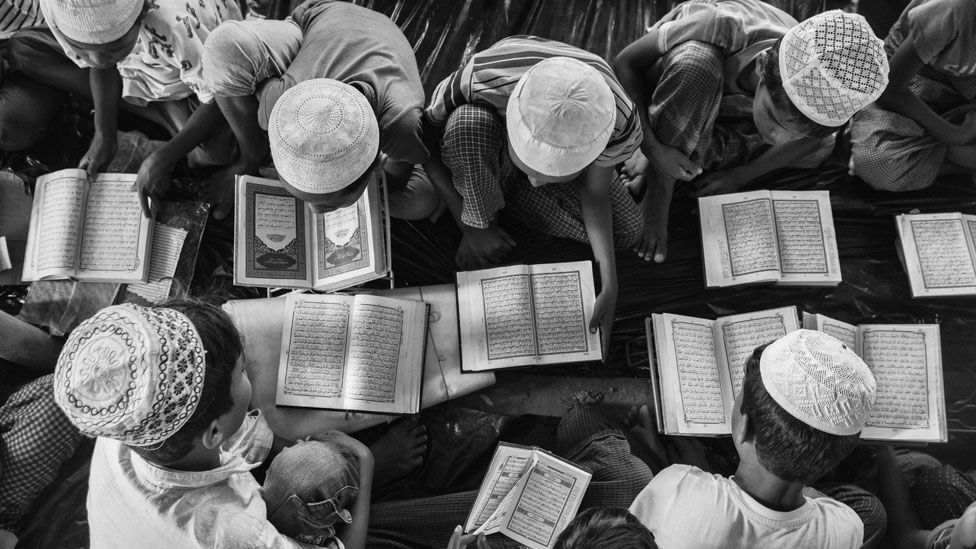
<point>167,245</point>
<point>271,235</point>
<point>496,313</point>
<point>844,332</point>
<point>939,254</point>
<point>739,239</point>
<point>563,298</point>
<point>546,502</point>
<point>385,366</point>
<point>314,348</point>
<point>906,360</point>
<point>349,247</point>
<point>116,237</point>
<point>691,385</point>
<point>806,239</point>
<point>737,337</point>
<point>56,224</point>
<point>508,465</point>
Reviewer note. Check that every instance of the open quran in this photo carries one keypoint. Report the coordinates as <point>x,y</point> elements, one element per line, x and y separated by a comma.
<point>87,231</point>
<point>786,237</point>
<point>528,495</point>
<point>906,360</point>
<point>700,364</point>
<point>279,242</point>
<point>939,253</point>
<point>344,352</point>
<point>524,315</point>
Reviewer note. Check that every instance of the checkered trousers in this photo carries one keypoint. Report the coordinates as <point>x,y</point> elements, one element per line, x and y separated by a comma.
<point>475,149</point>
<point>35,439</point>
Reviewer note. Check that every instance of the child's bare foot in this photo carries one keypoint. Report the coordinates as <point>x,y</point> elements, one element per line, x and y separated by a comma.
<point>643,425</point>
<point>399,451</point>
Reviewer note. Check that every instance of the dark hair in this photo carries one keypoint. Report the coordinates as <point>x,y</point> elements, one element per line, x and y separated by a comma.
<point>785,446</point>
<point>223,346</point>
<point>773,79</point>
<point>609,527</point>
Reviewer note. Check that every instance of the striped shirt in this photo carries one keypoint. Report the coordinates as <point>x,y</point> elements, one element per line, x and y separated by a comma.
<point>490,76</point>
<point>19,14</point>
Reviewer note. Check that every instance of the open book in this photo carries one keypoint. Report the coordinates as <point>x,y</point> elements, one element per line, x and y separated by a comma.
<point>279,242</point>
<point>87,231</point>
<point>786,237</point>
<point>906,360</point>
<point>939,253</point>
<point>700,365</point>
<point>528,495</point>
<point>346,352</point>
<point>524,315</point>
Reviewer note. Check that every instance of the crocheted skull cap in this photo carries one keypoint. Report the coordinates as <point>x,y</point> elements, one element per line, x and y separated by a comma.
<point>94,21</point>
<point>819,381</point>
<point>131,373</point>
<point>832,66</point>
<point>323,136</point>
<point>560,116</point>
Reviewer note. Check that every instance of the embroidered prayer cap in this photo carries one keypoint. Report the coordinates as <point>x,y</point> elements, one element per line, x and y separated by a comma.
<point>560,116</point>
<point>94,21</point>
<point>131,373</point>
<point>323,136</point>
<point>832,66</point>
<point>819,381</point>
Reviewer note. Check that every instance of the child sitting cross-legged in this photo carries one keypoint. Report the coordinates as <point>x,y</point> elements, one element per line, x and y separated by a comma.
<point>165,391</point>
<point>803,402</point>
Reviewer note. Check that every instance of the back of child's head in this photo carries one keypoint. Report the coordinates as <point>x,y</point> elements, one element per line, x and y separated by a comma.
<point>605,528</point>
<point>153,378</point>
<point>807,397</point>
<point>824,70</point>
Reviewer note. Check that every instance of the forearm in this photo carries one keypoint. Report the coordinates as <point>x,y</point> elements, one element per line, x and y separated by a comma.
<point>657,196</point>
<point>27,345</point>
<point>598,221</point>
<point>776,157</point>
<point>440,177</point>
<point>353,535</point>
<point>903,522</point>
<point>106,90</point>
<point>904,101</point>
<point>202,124</point>
<point>241,114</point>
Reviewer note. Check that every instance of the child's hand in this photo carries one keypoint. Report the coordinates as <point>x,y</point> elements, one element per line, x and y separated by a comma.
<point>604,311</point>
<point>153,180</point>
<point>482,247</point>
<point>964,533</point>
<point>343,440</point>
<point>670,161</point>
<point>100,152</point>
<point>459,540</point>
<point>218,189</point>
<point>723,182</point>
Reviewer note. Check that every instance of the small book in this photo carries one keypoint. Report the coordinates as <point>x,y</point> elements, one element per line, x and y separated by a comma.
<point>279,242</point>
<point>87,231</point>
<point>363,353</point>
<point>524,315</point>
<point>939,253</point>
<point>700,364</point>
<point>906,360</point>
<point>785,237</point>
<point>528,494</point>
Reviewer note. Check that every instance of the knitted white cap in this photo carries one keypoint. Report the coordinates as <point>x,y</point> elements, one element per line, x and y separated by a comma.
<point>323,135</point>
<point>94,21</point>
<point>832,66</point>
<point>819,381</point>
<point>131,373</point>
<point>560,116</point>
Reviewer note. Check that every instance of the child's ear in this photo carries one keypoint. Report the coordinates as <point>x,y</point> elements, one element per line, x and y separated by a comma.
<point>212,436</point>
<point>742,429</point>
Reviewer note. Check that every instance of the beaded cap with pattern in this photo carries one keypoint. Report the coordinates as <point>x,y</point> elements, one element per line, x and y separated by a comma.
<point>131,373</point>
<point>323,135</point>
<point>832,66</point>
<point>560,116</point>
<point>94,21</point>
<point>819,381</point>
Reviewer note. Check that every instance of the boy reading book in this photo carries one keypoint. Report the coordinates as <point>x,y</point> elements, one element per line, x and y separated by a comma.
<point>804,400</point>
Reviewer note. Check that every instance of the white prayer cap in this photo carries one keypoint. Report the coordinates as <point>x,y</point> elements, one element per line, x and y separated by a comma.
<point>819,381</point>
<point>131,373</point>
<point>832,66</point>
<point>323,135</point>
<point>94,21</point>
<point>560,116</point>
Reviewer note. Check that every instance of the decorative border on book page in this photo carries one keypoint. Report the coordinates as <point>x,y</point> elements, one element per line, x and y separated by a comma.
<point>727,210</point>
<point>342,263</point>
<point>822,250</point>
<point>934,250</point>
<point>297,250</point>
<point>697,412</point>
<point>898,393</point>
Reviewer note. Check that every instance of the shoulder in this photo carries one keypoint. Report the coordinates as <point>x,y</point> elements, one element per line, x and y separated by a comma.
<point>836,518</point>
<point>677,481</point>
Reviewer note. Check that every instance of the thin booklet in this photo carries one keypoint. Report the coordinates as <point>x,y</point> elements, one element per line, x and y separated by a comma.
<point>343,352</point>
<point>906,360</point>
<point>939,253</point>
<point>279,242</point>
<point>524,315</point>
<point>785,237</point>
<point>700,364</point>
<point>528,494</point>
<point>87,231</point>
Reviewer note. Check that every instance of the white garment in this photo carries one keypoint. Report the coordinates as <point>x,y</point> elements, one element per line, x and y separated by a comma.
<point>133,503</point>
<point>687,507</point>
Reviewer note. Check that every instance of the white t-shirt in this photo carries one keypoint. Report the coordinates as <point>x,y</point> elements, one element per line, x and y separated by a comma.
<point>687,507</point>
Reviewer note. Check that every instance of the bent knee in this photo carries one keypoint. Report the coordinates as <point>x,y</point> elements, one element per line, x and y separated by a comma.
<point>473,121</point>
<point>26,110</point>
<point>695,62</point>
